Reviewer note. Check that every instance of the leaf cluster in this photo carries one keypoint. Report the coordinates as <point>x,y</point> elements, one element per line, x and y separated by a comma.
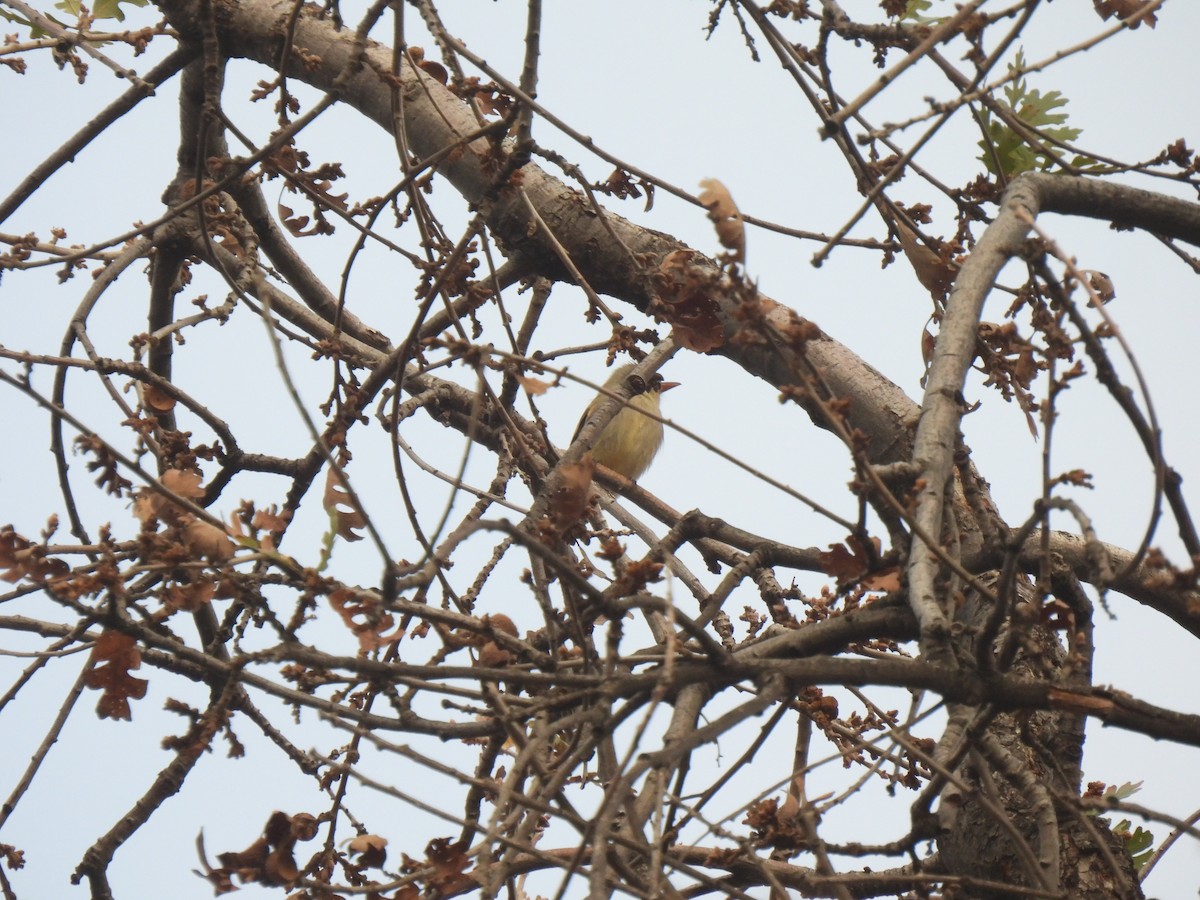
<point>1026,140</point>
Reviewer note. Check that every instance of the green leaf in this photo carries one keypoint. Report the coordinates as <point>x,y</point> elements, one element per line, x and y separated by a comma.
<point>13,17</point>
<point>915,10</point>
<point>34,31</point>
<point>327,540</point>
<point>1124,792</point>
<point>1006,151</point>
<point>1138,842</point>
<point>104,9</point>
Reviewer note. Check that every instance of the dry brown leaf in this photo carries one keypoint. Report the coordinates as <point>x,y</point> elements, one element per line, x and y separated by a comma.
<point>449,860</point>
<point>246,864</point>
<point>534,386</point>
<point>21,558</point>
<point>773,827</point>
<point>188,597</point>
<point>271,519</point>
<point>436,70</point>
<point>493,656</point>
<point>371,849</point>
<point>339,504</point>
<point>1103,286</point>
<point>685,292</point>
<point>149,504</point>
<point>184,482</point>
<point>208,541</point>
<point>157,399</point>
<point>501,622</point>
<point>569,499</point>
<point>365,617</point>
<point>280,867</point>
<point>887,580</point>
<point>113,656</point>
<point>304,826</point>
<point>1123,9</point>
<point>934,273</point>
<point>850,561</point>
<point>269,860</point>
<point>636,576</point>
<point>725,216</point>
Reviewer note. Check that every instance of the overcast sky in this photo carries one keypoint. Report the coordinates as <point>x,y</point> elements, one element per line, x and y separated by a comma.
<point>642,81</point>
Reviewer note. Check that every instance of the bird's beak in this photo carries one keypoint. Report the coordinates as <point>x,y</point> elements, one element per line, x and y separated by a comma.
<point>667,385</point>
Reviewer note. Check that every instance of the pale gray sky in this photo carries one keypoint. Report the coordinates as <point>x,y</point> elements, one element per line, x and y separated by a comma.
<point>642,82</point>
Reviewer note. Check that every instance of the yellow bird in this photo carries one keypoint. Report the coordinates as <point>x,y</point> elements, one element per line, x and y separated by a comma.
<point>630,440</point>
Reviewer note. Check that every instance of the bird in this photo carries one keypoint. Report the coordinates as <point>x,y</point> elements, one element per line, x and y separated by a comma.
<point>631,439</point>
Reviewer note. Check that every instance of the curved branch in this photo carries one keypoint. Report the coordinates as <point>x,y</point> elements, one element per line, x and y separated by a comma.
<point>435,119</point>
